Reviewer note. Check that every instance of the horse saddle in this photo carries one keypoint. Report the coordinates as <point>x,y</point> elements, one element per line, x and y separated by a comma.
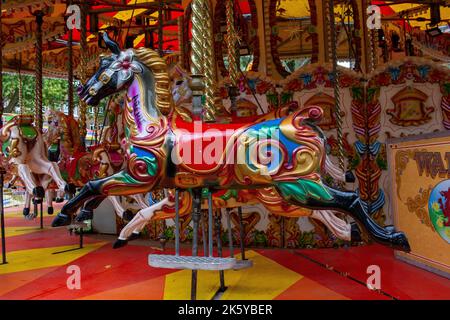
<point>201,147</point>
<point>26,129</point>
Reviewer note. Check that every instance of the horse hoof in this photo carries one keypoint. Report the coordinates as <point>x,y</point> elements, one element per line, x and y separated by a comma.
<point>39,192</point>
<point>84,215</point>
<point>134,236</point>
<point>120,243</point>
<point>59,200</point>
<point>127,215</point>
<point>50,210</point>
<point>61,220</point>
<point>26,211</point>
<point>355,233</point>
<point>70,189</point>
<point>400,242</point>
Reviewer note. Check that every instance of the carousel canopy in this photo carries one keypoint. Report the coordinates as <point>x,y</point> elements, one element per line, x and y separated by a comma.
<point>136,23</point>
<point>132,22</point>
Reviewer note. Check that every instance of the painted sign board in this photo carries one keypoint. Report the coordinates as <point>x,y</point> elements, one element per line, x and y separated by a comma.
<point>420,190</point>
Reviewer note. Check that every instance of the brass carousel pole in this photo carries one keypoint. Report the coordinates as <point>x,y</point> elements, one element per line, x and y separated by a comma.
<point>197,57</point>
<point>83,70</point>
<point>38,93</point>
<point>231,42</point>
<point>210,64</point>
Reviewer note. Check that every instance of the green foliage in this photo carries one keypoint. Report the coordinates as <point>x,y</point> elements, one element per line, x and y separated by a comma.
<point>54,92</point>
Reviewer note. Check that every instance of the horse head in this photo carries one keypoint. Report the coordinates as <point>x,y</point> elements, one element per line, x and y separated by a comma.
<point>181,92</point>
<point>114,74</point>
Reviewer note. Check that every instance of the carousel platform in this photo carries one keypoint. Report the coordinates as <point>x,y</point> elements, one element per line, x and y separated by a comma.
<point>34,271</point>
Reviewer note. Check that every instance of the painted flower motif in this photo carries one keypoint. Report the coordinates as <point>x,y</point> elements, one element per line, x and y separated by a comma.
<point>126,66</point>
<point>435,206</point>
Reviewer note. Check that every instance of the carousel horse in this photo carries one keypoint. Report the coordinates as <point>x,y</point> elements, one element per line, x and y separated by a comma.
<point>64,147</point>
<point>293,147</point>
<point>268,197</point>
<point>182,97</point>
<point>24,148</point>
<point>78,165</point>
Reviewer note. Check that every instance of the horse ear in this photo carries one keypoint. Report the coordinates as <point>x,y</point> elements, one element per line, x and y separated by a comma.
<point>111,44</point>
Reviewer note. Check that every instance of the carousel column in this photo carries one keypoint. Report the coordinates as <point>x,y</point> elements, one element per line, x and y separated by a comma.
<point>231,42</point>
<point>197,59</point>
<point>210,109</point>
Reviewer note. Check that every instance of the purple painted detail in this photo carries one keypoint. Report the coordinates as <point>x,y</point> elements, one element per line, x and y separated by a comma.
<point>134,93</point>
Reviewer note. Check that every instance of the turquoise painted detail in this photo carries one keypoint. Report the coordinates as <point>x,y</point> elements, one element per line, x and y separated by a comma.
<point>302,190</point>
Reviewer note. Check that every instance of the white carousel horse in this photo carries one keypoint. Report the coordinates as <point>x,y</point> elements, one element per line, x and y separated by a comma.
<point>24,147</point>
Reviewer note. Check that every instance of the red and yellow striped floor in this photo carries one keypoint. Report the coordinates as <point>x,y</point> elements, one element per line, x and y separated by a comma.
<point>35,272</point>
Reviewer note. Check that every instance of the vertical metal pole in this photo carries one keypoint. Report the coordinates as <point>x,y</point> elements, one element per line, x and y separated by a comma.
<point>1,70</point>
<point>38,96</point>
<point>70,71</point>
<point>204,238</point>
<point>160,28</point>
<point>337,105</point>
<point>2,213</point>
<point>82,108</point>
<point>242,233</point>
<point>177,223</point>
<point>2,170</point>
<point>210,223</point>
<point>35,207</point>
<point>197,194</point>
<point>81,237</point>
<point>42,213</point>
<point>230,233</point>
<point>219,249</point>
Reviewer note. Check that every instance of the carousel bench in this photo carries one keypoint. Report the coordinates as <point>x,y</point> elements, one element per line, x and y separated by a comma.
<point>192,263</point>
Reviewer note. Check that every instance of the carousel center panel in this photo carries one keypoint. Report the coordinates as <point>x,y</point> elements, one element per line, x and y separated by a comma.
<point>420,189</point>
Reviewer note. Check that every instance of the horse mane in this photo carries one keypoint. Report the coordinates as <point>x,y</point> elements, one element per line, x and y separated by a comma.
<point>157,65</point>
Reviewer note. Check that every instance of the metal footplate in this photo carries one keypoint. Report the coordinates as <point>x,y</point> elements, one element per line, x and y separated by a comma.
<point>243,264</point>
<point>192,263</point>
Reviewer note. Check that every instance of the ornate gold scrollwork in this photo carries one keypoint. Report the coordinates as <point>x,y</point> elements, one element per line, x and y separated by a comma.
<point>418,204</point>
